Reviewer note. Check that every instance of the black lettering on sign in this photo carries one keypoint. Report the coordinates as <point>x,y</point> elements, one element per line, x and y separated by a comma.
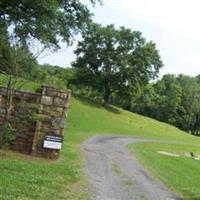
<point>53,142</point>
<point>53,138</point>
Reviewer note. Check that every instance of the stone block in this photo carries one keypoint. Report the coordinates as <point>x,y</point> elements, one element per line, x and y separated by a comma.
<point>58,123</point>
<point>59,102</point>
<point>52,111</point>
<point>63,95</point>
<point>52,92</point>
<point>3,91</point>
<point>22,110</point>
<point>52,131</point>
<point>59,110</point>
<point>2,111</point>
<point>27,96</point>
<point>2,120</point>
<point>46,100</point>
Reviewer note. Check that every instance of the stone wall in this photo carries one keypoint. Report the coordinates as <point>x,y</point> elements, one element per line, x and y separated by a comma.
<point>35,116</point>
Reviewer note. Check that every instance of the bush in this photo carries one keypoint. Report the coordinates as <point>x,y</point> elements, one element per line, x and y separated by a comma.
<point>8,135</point>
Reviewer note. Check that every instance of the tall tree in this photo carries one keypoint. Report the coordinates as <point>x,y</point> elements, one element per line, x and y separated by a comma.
<point>115,60</point>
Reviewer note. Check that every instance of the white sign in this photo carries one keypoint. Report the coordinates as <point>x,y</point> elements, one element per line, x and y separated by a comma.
<point>53,142</point>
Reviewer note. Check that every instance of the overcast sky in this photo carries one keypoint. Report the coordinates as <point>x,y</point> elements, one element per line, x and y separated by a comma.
<point>172,24</point>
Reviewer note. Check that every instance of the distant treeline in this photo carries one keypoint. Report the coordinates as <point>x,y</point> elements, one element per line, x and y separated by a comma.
<point>173,99</point>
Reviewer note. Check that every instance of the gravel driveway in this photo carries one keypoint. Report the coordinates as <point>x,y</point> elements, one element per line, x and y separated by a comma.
<point>115,174</point>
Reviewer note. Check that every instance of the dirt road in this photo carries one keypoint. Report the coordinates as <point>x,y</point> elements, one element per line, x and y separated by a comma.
<point>115,174</point>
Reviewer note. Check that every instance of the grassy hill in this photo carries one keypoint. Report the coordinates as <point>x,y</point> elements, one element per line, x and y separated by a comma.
<point>26,178</point>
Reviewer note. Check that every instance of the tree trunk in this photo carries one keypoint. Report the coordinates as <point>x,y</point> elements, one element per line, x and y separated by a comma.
<point>107,98</point>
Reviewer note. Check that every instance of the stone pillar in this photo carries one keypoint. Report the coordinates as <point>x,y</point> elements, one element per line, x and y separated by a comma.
<point>53,108</point>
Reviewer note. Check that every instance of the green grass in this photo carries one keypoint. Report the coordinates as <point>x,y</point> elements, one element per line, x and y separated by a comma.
<point>26,178</point>
<point>23,177</point>
<point>21,84</point>
<point>181,174</point>
<point>87,118</point>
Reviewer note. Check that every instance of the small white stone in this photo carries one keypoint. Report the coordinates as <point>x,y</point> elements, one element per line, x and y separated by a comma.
<point>168,154</point>
<point>46,100</point>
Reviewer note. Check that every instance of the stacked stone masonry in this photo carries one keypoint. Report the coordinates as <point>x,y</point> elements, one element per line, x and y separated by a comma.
<point>35,116</point>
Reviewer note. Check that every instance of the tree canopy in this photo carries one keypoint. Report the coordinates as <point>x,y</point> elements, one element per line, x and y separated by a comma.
<point>111,60</point>
<point>47,21</point>
<point>173,99</point>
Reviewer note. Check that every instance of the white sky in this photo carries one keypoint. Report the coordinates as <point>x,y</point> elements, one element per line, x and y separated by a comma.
<point>172,24</point>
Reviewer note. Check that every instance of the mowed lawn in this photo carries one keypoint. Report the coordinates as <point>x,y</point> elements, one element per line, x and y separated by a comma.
<point>181,174</point>
<point>26,178</point>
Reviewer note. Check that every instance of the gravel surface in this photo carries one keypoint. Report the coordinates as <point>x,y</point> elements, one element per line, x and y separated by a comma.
<point>115,174</point>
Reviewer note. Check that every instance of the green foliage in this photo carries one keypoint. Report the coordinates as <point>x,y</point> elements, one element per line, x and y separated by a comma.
<point>111,60</point>
<point>22,84</point>
<point>6,53</point>
<point>35,117</point>
<point>47,21</point>
<point>175,100</point>
<point>58,77</point>
<point>8,134</point>
<point>53,75</point>
<point>190,111</point>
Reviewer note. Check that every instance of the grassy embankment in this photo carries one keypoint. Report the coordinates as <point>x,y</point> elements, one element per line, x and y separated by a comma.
<point>26,178</point>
